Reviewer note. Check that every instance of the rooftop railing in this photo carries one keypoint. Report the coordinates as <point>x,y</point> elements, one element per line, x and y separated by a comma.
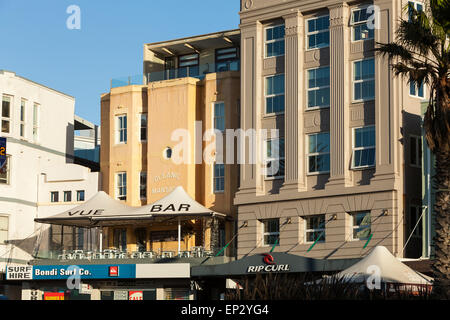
<point>183,72</point>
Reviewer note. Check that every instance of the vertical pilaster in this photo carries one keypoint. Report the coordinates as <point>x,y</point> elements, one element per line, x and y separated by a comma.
<point>294,170</point>
<point>339,97</point>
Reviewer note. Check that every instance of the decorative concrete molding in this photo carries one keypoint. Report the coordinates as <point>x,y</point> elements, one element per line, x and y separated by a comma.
<point>338,15</point>
<point>248,4</point>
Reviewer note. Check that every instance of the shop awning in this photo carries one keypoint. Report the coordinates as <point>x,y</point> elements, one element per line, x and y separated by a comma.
<point>93,212</point>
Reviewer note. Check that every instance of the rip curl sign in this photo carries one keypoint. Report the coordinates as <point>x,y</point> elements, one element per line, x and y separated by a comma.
<point>269,265</point>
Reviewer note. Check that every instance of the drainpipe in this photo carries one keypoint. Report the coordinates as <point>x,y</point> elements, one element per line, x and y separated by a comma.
<point>429,209</point>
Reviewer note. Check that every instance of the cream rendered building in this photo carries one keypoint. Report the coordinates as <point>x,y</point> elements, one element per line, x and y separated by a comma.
<point>352,176</point>
<point>185,81</point>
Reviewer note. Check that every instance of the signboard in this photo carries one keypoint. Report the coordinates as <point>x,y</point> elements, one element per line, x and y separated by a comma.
<point>120,295</point>
<point>269,265</point>
<point>85,288</point>
<point>114,271</point>
<point>2,152</point>
<point>136,295</point>
<point>53,295</point>
<point>19,273</point>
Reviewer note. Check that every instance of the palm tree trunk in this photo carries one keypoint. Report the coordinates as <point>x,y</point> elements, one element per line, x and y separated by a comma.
<point>441,266</point>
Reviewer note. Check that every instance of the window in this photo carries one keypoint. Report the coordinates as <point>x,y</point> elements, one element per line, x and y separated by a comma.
<point>416,90</point>
<point>22,117</point>
<point>364,147</point>
<point>36,118</point>
<point>67,196</point>
<point>143,127</point>
<point>121,186</point>
<point>80,195</point>
<point>274,40</point>
<point>319,153</point>
<point>315,228</point>
<point>361,225</point>
<point>415,151</point>
<point>54,196</point>
<point>227,59</point>
<point>275,158</point>
<point>271,232</point>
<point>4,225</point>
<point>5,171</point>
<point>415,216</point>
<point>219,116</point>
<point>5,115</point>
<point>167,154</point>
<point>319,87</point>
<point>219,178</point>
<point>360,22</point>
<point>274,94</point>
<point>143,185</point>
<point>418,6</point>
<point>317,32</point>
<point>364,80</point>
<point>121,129</point>
<point>120,239</point>
<point>188,65</point>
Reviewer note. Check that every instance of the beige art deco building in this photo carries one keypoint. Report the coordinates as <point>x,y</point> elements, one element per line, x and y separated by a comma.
<point>186,81</point>
<point>349,130</point>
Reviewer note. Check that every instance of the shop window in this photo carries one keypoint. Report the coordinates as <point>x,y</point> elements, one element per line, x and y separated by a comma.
<point>120,239</point>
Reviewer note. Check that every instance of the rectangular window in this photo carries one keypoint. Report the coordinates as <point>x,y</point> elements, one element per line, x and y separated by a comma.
<point>274,94</point>
<point>416,90</point>
<point>360,22</point>
<point>315,228</point>
<point>67,196</point>
<point>22,117</point>
<point>275,158</point>
<point>364,147</point>
<point>415,156</point>
<point>415,216</point>
<point>227,59</point>
<point>80,195</point>
<point>54,196</point>
<point>219,177</point>
<point>219,116</point>
<point>364,80</point>
<point>319,153</point>
<point>143,185</point>
<point>274,41</point>
<point>188,65</point>
<point>143,127</point>
<point>5,116</point>
<point>361,225</point>
<point>120,239</point>
<point>36,119</point>
<point>317,32</point>
<point>5,171</point>
<point>418,6</point>
<point>121,186</point>
<point>271,232</point>
<point>121,129</point>
<point>319,87</point>
<point>4,226</point>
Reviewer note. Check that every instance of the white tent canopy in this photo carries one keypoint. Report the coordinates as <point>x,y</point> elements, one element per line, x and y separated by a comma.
<point>391,270</point>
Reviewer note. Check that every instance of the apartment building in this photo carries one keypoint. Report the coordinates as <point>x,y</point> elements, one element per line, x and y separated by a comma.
<point>349,131</point>
<point>188,85</point>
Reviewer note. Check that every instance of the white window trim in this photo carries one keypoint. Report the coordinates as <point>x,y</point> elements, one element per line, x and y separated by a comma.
<point>354,24</point>
<point>266,42</point>
<point>214,179</point>
<point>416,90</point>
<point>418,145</point>
<point>10,118</point>
<point>78,192</point>
<point>51,197</point>
<point>117,187</point>
<point>362,148</point>
<point>315,88</point>
<point>356,227</point>
<point>305,219</point>
<point>360,81</point>
<point>274,95</point>
<point>315,154</point>
<point>37,107</point>
<point>264,233</point>
<point>214,116</point>
<point>307,33</point>
<point>266,159</point>
<point>118,130</point>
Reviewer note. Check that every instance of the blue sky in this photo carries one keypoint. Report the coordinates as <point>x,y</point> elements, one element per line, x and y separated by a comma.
<point>36,44</point>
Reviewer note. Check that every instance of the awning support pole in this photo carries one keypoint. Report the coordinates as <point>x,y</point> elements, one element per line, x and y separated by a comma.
<point>179,235</point>
<point>101,239</point>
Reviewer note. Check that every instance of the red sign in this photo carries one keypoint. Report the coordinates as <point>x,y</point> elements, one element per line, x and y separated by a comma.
<point>53,295</point>
<point>136,295</point>
<point>114,271</point>
<point>268,259</point>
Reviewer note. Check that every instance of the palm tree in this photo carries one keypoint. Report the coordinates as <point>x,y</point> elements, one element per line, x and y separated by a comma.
<point>420,53</point>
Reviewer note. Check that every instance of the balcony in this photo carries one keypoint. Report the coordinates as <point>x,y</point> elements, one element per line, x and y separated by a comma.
<point>198,72</point>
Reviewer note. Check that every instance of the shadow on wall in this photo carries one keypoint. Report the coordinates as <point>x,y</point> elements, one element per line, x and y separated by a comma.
<point>70,136</point>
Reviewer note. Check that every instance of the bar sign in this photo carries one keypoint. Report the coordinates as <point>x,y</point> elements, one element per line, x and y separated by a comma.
<point>2,152</point>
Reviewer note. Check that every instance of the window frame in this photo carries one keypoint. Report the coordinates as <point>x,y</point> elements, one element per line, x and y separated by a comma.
<point>266,114</point>
<point>264,233</point>
<point>23,118</point>
<point>141,117</point>
<point>353,167</point>
<point>320,230</point>
<point>362,80</point>
<point>118,188</point>
<point>8,171</point>
<point>353,227</point>
<point>266,42</point>
<point>79,192</point>
<point>416,90</point>
<point>215,178</point>
<point>307,33</point>
<point>317,153</point>
<point>143,186</point>
<point>67,196</point>
<point>36,120</point>
<point>267,159</point>
<point>419,153</point>
<point>7,218</point>
<point>359,23</point>
<point>228,60</point>
<point>119,129</point>
<point>308,89</point>
<point>52,194</point>
<point>219,117</point>
<point>9,119</point>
